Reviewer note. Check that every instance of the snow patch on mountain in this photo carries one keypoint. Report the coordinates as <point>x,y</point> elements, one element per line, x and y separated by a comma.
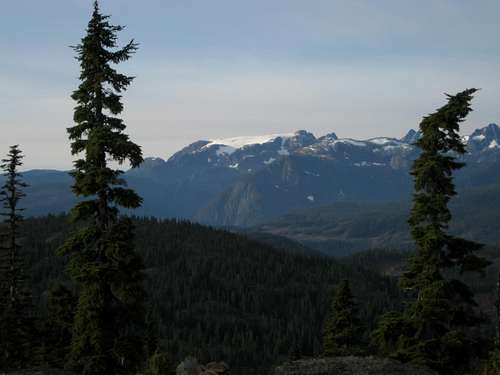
<point>369,164</point>
<point>230,145</point>
<point>350,142</point>
<point>283,151</point>
<point>311,173</point>
<point>383,141</point>
<point>480,137</point>
<point>223,149</point>
<point>399,146</point>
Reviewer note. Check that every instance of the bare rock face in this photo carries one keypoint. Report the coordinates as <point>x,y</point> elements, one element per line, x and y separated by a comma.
<point>350,366</point>
<point>190,366</point>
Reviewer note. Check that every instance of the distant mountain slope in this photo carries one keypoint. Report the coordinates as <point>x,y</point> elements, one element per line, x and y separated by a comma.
<point>334,170</point>
<point>245,180</point>
<point>298,182</point>
<point>343,228</point>
<point>49,191</point>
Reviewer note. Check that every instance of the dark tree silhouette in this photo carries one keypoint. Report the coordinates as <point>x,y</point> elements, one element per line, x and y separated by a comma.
<point>342,330</point>
<point>109,273</point>
<point>432,330</point>
<point>15,295</point>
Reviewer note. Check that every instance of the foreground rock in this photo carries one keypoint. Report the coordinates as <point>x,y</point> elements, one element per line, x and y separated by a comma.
<point>190,366</point>
<point>45,371</point>
<point>350,366</point>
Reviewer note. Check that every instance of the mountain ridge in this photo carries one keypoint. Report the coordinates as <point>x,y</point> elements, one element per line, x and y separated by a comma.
<point>245,180</point>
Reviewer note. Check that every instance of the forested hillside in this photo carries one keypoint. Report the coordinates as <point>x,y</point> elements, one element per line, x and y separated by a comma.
<point>348,227</point>
<point>218,295</point>
<point>394,262</point>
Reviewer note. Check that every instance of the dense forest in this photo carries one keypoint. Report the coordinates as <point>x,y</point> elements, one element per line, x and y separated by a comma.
<point>218,295</point>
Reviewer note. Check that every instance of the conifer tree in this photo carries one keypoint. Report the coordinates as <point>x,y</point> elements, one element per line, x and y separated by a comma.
<point>432,330</point>
<point>341,336</point>
<point>109,274</point>
<point>58,325</point>
<point>492,366</point>
<point>158,364</point>
<point>15,296</point>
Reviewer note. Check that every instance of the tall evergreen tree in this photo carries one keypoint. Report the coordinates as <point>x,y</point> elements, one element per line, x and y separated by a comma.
<point>15,296</point>
<point>433,329</point>
<point>57,328</point>
<point>341,336</point>
<point>492,366</point>
<point>103,262</point>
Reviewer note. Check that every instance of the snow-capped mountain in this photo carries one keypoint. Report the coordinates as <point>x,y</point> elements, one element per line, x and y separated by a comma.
<point>249,154</point>
<point>484,143</point>
<point>241,180</point>
<point>275,173</point>
<point>244,153</point>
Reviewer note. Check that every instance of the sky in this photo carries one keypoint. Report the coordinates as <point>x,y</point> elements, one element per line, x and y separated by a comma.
<point>225,68</point>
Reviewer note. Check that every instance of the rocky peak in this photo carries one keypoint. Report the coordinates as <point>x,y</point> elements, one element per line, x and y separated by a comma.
<point>329,137</point>
<point>188,150</point>
<point>301,138</point>
<point>488,133</point>
<point>484,139</point>
<point>152,162</point>
<point>411,137</point>
<point>493,130</point>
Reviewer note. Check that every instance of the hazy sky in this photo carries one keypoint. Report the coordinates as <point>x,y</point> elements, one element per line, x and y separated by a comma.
<point>211,69</point>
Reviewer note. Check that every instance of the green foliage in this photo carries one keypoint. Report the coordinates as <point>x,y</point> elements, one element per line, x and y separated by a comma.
<point>109,313</point>
<point>58,325</point>
<point>492,365</point>
<point>220,296</point>
<point>432,329</point>
<point>159,364</point>
<point>16,322</point>
<point>342,328</point>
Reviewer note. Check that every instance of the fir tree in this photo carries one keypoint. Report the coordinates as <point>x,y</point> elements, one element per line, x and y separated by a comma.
<point>492,366</point>
<point>15,296</point>
<point>103,262</point>
<point>58,325</point>
<point>159,364</point>
<point>341,336</point>
<point>432,330</point>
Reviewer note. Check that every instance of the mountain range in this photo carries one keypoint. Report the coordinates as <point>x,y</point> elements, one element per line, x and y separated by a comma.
<point>248,181</point>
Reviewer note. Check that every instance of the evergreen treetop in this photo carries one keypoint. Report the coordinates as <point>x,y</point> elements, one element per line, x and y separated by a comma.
<point>11,193</point>
<point>15,295</point>
<point>109,273</point>
<point>440,144</point>
<point>433,328</point>
<point>98,133</point>
<point>341,336</point>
